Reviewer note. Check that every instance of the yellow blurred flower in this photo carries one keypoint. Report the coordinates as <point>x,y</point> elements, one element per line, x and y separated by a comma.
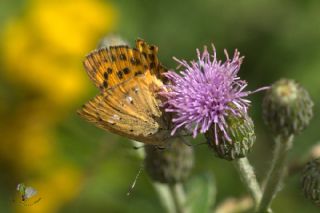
<point>71,26</point>
<point>43,50</point>
<point>28,139</point>
<point>42,53</point>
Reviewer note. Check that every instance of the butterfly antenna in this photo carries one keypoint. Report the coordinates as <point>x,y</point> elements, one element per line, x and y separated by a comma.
<point>135,179</point>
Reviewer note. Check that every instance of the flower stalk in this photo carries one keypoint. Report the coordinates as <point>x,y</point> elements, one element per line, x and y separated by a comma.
<point>170,167</point>
<point>162,190</point>
<point>276,172</point>
<point>178,195</point>
<point>248,176</point>
<point>165,196</point>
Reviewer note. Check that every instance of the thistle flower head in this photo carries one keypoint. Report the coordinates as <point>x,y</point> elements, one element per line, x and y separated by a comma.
<point>206,92</point>
<point>311,181</point>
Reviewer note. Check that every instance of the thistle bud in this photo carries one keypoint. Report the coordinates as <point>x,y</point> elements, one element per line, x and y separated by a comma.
<point>287,108</point>
<point>170,165</point>
<point>311,181</point>
<point>236,142</point>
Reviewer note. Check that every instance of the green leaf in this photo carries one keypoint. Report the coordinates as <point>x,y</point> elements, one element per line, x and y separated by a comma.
<point>200,193</point>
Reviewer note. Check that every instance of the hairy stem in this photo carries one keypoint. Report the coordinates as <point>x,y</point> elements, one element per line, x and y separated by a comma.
<point>162,190</point>
<point>276,172</point>
<point>248,176</point>
<point>165,197</point>
<point>172,196</point>
<point>178,196</point>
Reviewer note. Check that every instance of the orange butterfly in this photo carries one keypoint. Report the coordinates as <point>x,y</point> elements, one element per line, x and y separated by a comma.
<point>128,105</point>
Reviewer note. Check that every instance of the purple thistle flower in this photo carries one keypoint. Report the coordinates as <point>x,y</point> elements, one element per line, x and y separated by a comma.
<point>205,93</point>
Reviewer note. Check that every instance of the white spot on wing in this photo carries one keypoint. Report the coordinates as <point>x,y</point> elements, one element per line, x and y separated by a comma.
<point>110,121</point>
<point>116,117</point>
<point>136,89</point>
<point>129,99</point>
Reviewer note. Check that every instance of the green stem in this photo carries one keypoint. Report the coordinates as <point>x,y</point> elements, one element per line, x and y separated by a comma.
<point>248,176</point>
<point>165,197</point>
<point>276,172</point>
<point>172,197</point>
<point>178,196</point>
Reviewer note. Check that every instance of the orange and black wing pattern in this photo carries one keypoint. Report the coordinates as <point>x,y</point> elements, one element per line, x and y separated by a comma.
<point>128,79</point>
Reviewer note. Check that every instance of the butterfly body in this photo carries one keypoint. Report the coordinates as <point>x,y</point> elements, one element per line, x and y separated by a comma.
<point>128,104</point>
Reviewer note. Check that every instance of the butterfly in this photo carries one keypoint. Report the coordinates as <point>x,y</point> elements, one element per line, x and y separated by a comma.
<point>26,194</point>
<point>128,104</point>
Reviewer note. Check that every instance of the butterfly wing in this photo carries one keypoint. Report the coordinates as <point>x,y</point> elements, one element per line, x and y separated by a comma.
<point>150,53</point>
<point>130,109</point>
<point>127,105</point>
<point>107,67</point>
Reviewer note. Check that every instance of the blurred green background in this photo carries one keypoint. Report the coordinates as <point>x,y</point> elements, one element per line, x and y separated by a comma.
<point>77,167</point>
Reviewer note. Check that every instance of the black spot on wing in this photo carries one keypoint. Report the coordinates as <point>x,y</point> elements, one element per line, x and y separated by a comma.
<point>123,57</point>
<point>120,74</point>
<point>105,75</point>
<point>126,70</point>
<point>139,72</point>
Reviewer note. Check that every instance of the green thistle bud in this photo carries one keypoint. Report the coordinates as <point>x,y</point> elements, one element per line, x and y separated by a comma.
<point>170,165</point>
<point>311,181</point>
<point>287,108</point>
<point>241,132</point>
